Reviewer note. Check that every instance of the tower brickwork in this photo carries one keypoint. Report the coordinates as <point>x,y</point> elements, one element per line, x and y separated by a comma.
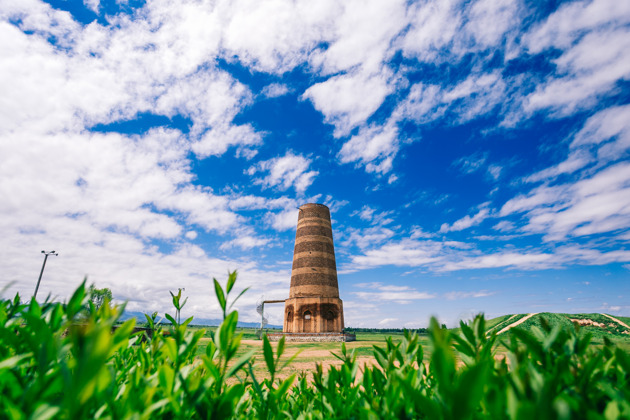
<point>313,305</point>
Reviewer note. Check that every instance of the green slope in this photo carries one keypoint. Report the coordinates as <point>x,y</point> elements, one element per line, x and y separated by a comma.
<point>602,327</point>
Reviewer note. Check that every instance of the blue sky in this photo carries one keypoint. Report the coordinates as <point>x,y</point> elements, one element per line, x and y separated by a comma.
<point>474,155</point>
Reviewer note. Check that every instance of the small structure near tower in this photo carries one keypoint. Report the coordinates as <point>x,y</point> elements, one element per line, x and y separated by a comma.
<point>313,311</point>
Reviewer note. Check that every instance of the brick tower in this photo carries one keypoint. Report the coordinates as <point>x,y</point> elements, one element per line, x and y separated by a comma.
<point>313,306</point>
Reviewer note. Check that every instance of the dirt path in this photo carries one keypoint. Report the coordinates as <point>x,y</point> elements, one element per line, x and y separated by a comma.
<point>623,324</point>
<point>507,320</point>
<point>520,321</point>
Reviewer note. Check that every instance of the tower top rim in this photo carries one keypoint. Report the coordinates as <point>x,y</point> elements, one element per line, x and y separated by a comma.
<point>307,205</point>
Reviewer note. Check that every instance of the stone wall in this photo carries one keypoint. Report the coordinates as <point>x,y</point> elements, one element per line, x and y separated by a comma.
<point>314,271</point>
<point>313,338</point>
<point>313,315</point>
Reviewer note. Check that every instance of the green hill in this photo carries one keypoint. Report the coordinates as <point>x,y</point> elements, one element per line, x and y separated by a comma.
<point>599,325</point>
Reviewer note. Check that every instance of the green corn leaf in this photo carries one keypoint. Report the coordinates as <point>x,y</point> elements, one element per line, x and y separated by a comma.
<point>284,386</point>
<point>225,332</point>
<point>188,320</point>
<point>242,361</point>
<point>468,333</point>
<point>237,297</point>
<point>255,382</point>
<point>268,353</point>
<point>218,290</point>
<point>280,348</point>
<point>623,358</point>
<point>75,304</point>
<point>231,281</point>
<point>170,318</point>
<point>45,412</point>
<point>150,321</point>
<point>12,362</point>
<point>290,359</point>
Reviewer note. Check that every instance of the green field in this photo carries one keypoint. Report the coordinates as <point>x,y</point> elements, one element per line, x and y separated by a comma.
<point>312,353</point>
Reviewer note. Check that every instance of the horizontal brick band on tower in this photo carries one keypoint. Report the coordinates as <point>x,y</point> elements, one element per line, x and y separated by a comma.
<point>314,254</point>
<point>313,245</point>
<point>314,271</point>
<point>308,261</point>
<point>315,230</point>
<point>313,221</point>
<point>309,291</point>
<point>314,279</point>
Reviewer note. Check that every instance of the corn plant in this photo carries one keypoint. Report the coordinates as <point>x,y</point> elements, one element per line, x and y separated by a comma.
<point>73,361</point>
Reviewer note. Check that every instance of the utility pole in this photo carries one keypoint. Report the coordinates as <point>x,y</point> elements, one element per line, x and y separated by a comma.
<point>41,273</point>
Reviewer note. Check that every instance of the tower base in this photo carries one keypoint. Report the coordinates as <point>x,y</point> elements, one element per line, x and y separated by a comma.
<point>313,315</point>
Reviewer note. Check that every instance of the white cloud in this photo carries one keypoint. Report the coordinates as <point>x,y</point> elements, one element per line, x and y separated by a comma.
<point>217,140</point>
<point>366,213</point>
<point>363,34</point>
<point>609,130</point>
<point>370,285</point>
<point>597,204</point>
<point>572,20</point>
<point>285,172</point>
<point>454,256</point>
<point>489,21</point>
<point>522,260</point>
<point>574,162</point>
<point>191,234</point>
<point>387,321</point>
<point>433,26</point>
<point>275,90</point>
<point>371,215</point>
<point>403,253</point>
<point>467,295</point>
<point>593,61</point>
<point>504,226</point>
<point>93,5</point>
<point>399,294</point>
<point>245,242</point>
<point>285,220</point>
<point>375,147</point>
<point>422,104</point>
<point>350,99</point>
<point>472,163</point>
<point>366,237</point>
<point>467,221</point>
<point>280,35</point>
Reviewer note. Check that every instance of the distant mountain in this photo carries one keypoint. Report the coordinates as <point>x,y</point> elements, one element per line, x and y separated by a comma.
<point>139,316</point>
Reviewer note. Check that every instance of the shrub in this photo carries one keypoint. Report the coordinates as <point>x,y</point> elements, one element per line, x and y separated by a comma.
<point>60,361</point>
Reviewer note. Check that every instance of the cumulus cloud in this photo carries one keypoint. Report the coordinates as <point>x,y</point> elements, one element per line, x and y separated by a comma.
<point>349,99</point>
<point>446,256</point>
<point>467,221</point>
<point>275,90</point>
<point>593,37</point>
<point>245,242</point>
<point>467,295</point>
<point>374,146</point>
<point>284,220</point>
<point>597,204</point>
<point>366,237</point>
<point>398,294</point>
<point>285,172</point>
